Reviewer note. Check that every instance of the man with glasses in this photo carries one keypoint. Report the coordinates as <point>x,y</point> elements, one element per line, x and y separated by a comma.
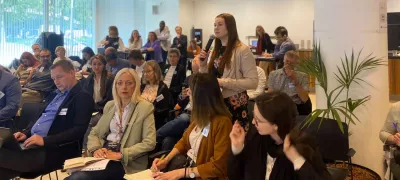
<point>39,82</point>
<point>295,84</point>
<point>36,50</point>
<point>174,74</point>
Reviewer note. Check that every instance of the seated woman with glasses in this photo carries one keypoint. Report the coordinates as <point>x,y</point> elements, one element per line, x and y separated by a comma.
<point>268,151</point>
<point>125,132</point>
<point>203,150</point>
<point>155,91</point>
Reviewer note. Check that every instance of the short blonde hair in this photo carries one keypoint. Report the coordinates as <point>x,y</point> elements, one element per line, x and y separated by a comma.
<point>58,48</point>
<point>136,93</point>
<point>292,54</point>
<point>156,69</point>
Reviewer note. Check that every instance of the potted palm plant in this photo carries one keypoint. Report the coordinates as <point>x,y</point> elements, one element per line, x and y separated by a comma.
<point>340,107</point>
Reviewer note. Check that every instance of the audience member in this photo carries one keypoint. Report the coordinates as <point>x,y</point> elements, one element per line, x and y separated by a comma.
<point>136,59</point>
<point>58,132</point>
<point>267,151</point>
<point>28,63</point>
<point>204,147</point>
<point>124,134</point>
<point>194,48</point>
<point>389,133</point>
<point>253,93</point>
<point>163,35</point>
<point>153,49</point>
<point>87,54</point>
<point>180,42</point>
<point>293,83</point>
<point>36,51</point>
<point>264,43</point>
<point>233,63</point>
<point>99,83</point>
<point>114,63</point>
<point>174,74</point>
<point>60,52</point>
<point>283,45</point>
<point>173,130</point>
<point>155,91</point>
<point>10,96</point>
<point>113,40</point>
<point>135,42</point>
<point>39,83</point>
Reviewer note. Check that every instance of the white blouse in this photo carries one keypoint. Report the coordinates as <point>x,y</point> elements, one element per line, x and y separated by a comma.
<point>194,140</point>
<point>118,125</point>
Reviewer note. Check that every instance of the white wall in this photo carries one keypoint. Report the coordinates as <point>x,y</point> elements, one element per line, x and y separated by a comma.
<point>393,5</point>
<point>296,15</point>
<point>128,15</point>
<point>186,16</point>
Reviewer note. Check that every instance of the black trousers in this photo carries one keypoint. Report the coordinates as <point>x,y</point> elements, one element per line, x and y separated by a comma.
<point>114,170</point>
<point>16,163</point>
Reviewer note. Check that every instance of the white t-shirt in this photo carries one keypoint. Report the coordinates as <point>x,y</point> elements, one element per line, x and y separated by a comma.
<point>139,70</point>
<point>168,76</point>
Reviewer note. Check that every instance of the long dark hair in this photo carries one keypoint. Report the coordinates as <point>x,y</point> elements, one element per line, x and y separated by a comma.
<point>207,101</point>
<point>104,74</point>
<point>233,41</point>
<point>306,145</point>
<point>29,56</point>
<point>278,108</point>
<point>89,51</point>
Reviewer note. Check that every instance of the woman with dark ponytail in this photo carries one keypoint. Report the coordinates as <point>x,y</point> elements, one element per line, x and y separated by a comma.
<point>272,150</point>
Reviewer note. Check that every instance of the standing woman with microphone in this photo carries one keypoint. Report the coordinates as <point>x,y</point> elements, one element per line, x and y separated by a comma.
<point>233,63</point>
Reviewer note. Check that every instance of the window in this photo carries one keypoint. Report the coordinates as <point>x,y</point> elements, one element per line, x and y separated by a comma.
<point>22,22</point>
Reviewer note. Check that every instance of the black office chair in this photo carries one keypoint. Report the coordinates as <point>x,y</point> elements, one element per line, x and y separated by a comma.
<point>29,112</point>
<point>338,151</point>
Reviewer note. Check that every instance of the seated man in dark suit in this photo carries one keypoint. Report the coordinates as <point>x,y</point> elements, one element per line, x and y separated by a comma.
<point>174,74</point>
<point>10,96</point>
<point>57,134</point>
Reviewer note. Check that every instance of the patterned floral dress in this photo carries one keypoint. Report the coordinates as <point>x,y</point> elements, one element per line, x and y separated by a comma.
<point>237,104</point>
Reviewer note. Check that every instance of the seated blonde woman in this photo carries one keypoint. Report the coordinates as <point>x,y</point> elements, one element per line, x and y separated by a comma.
<point>125,132</point>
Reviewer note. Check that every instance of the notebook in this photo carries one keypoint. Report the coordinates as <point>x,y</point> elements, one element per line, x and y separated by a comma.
<point>97,166</point>
<point>142,175</point>
<point>80,162</point>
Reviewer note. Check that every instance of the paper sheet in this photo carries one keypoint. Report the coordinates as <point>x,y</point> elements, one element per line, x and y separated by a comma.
<point>97,166</point>
<point>143,175</point>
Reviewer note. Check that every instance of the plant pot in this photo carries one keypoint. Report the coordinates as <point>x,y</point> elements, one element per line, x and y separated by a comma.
<point>359,172</point>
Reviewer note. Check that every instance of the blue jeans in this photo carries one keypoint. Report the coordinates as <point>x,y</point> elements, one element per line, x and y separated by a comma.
<point>173,131</point>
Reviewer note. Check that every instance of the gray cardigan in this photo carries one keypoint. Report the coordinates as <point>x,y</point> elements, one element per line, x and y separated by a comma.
<point>10,95</point>
<point>388,128</point>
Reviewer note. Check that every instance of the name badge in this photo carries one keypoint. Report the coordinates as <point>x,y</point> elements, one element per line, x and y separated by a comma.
<point>159,98</point>
<point>1,94</point>
<point>205,131</point>
<point>175,72</point>
<point>63,112</point>
<point>41,69</point>
<point>166,70</point>
<point>291,85</point>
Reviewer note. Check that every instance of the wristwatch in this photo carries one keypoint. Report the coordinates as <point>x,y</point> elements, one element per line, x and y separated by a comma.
<point>192,174</point>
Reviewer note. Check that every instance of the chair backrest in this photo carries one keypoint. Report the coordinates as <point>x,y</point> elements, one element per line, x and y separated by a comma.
<point>29,112</point>
<point>333,144</point>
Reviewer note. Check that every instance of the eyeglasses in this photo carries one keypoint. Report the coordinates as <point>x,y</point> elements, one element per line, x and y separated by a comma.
<point>45,56</point>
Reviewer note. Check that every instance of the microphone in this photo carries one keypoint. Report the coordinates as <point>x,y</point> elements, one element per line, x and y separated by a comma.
<point>210,41</point>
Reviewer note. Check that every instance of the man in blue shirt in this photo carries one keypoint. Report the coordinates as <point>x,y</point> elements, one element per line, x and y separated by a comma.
<point>57,134</point>
<point>10,96</point>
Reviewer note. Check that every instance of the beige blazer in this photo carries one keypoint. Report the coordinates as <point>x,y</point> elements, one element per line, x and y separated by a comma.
<point>138,140</point>
<point>242,75</point>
